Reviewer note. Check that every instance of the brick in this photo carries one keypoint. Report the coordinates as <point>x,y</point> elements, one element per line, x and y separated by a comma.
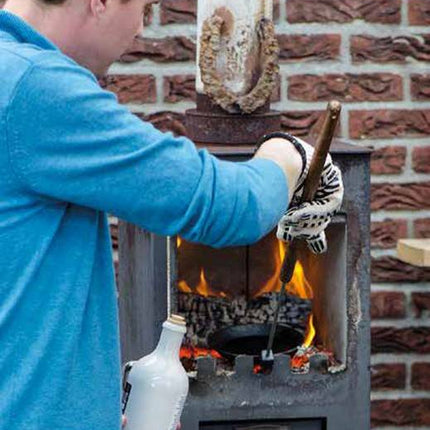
<point>386,304</point>
<point>148,15</point>
<point>167,121</point>
<point>301,47</point>
<point>168,49</point>
<point>182,87</point>
<point>132,88</point>
<point>388,160</point>
<point>400,412</point>
<point>303,123</point>
<point>276,93</point>
<point>185,11</point>
<point>421,159</point>
<point>401,340</point>
<point>381,11</point>
<point>388,376</point>
<point>347,87</point>
<point>399,49</point>
<point>276,10</point>
<point>380,123</point>
<point>422,228</point>
<point>178,11</point>
<point>420,87</point>
<point>385,234</point>
<point>421,376</point>
<point>390,269</point>
<point>419,12</point>
<point>421,304</point>
<point>179,87</point>
<point>415,195</point>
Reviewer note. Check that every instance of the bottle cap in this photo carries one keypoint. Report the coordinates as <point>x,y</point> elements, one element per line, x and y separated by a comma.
<point>177,319</point>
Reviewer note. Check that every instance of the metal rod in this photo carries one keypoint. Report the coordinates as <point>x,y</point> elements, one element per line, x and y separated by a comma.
<point>275,322</point>
<point>311,184</point>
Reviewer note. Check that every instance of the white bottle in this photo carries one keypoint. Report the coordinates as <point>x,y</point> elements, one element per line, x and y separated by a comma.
<point>156,386</point>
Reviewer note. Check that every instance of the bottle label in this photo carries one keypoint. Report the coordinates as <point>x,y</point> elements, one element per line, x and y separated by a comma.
<point>126,386</point>
<point>178,411</point>
<point>125,395</point>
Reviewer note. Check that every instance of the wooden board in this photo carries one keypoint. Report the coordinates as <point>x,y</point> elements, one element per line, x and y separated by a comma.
<point>414,251</point>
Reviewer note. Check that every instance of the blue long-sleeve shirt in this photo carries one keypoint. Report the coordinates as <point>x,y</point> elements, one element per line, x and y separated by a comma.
<point>69,153</point>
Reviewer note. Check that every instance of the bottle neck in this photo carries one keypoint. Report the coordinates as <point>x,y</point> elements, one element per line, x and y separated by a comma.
<point>170,343</point>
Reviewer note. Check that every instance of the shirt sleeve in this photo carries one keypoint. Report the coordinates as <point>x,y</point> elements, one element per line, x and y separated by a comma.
<point>70,140</point>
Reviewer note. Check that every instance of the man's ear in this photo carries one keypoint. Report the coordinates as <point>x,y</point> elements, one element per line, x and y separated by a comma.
<point>98,7</point>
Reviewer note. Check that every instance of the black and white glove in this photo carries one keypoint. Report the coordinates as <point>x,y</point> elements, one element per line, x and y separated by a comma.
<point>308,221</point>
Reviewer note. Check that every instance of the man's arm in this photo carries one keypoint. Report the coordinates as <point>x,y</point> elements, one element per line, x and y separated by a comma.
<point>286,157</point>
<point>71,141</point>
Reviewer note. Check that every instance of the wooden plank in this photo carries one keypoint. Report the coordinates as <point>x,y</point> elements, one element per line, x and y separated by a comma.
<point>414,251</point>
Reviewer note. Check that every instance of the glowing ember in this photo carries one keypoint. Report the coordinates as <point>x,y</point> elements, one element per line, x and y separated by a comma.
<point>300,361</point>
<point>258,368</point>
<point>192,352</point>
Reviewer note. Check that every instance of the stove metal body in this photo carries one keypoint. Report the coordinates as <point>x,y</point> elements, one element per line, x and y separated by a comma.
<point>241,399</point>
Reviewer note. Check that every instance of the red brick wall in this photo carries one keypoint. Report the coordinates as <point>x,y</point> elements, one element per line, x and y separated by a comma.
<point>374,56</point>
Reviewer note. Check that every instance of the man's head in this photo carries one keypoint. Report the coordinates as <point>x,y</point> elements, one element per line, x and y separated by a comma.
<point>92,32</point>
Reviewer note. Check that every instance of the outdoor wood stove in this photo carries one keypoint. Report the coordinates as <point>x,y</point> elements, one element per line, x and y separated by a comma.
<point>236,287</point>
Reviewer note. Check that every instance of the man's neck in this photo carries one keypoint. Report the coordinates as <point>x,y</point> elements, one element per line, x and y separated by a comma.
<point>60,24</point>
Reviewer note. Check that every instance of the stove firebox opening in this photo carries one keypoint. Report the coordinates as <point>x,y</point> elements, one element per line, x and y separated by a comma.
<point>228,298</point>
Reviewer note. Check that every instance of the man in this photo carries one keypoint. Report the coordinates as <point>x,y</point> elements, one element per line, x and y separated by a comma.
<point>69,154</point>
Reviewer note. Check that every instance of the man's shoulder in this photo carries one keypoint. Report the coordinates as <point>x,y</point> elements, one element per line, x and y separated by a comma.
<point>19,59</point>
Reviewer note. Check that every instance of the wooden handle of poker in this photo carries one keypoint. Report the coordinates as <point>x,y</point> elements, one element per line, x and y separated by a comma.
<point>322,147</point>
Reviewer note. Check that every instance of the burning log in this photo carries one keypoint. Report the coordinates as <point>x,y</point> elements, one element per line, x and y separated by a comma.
<point>205,315</point>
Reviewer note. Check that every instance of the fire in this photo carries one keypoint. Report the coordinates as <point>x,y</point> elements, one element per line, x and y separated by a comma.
<point>299,285</point>
<point>310,334</point>
<point>300,361</point>
<point>192,352</point>
<point>203,287</point>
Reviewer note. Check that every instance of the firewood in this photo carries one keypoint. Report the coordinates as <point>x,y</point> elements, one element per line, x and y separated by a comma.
<point>205,315</point>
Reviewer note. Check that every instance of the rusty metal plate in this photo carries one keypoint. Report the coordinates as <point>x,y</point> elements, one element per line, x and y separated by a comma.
<point>234,129</point>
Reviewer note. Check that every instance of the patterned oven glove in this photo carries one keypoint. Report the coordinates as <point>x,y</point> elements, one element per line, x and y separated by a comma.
<point>309,220</point>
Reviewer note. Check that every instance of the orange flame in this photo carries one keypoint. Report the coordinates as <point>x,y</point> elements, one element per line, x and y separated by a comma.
<point>298,285</point>
<point>310,333</point>
<point>203,287</point>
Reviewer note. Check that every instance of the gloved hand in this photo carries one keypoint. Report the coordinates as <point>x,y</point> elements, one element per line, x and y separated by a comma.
<point>309,220</point>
